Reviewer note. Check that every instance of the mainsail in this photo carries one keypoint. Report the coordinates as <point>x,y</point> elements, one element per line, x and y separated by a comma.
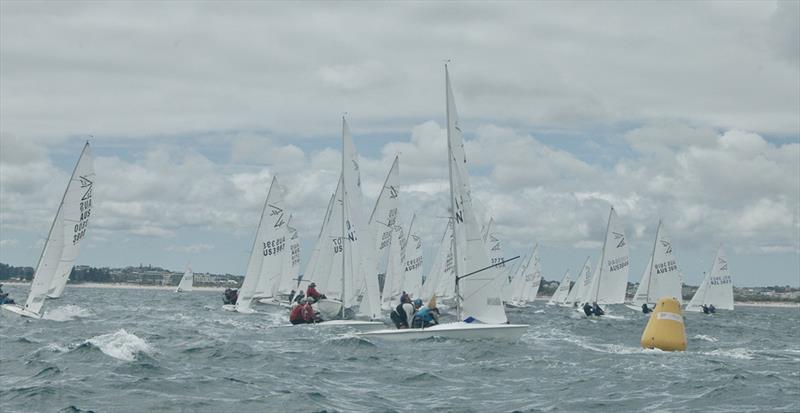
<point>610,280</point>
<point>185,284</point>
<point>661,277</point>
<point>412,264</point>
<point>268,250</point>
<point>560,296</point>
<point>717,287</point>
<point>66,233</point>
<point>576,293</point>
<point>478,289</point>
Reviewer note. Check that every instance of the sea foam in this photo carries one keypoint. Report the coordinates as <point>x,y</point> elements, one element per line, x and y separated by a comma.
<point>121,345</point>
<point>66,313</point>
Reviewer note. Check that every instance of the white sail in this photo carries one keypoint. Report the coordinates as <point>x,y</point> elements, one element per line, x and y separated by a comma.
<point>66,233</point>
<point>641,295</point>
<point>576,292</point>
<point>393,278</point>
<point>436,271</point>
<point>610,285</point>
<point>412,281</point>
<point>320,263</point>
<point>479,289</point>
<point>185,285</point>
<point>562,291</point>
<point>717,287</point>
<point>269,247</point>
<point>74,215</point>
<point>291,264</point>
<point>384,215</point>
<point>514,288</point>
<point>533,275</point>
<point>360,264</point>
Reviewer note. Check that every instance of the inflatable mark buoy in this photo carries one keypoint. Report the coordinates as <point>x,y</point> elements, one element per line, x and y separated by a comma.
<point>665,329</point>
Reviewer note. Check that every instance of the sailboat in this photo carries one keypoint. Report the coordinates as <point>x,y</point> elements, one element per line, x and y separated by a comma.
<point>382,223</point>
<point>576,292</point>
<point>610,279</point>
<point>560,296</point>
<point>519,286</point>
<point>352,291</point>
<point>477,290</point>
<point>279,290</point>
<point>661,277</point>
<point>412,262</point>
<point>186,281</point>
<point>533,276</point>
<point>267,253</point>
<point>63,241</point>
<point>717,286</point>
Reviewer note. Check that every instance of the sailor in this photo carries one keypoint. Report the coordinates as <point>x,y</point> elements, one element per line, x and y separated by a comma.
<point>587,309</point>
<point>705,308</point>
<point>403,312</point>
<point>312,292</point>
<point>712,309</point>
<point>230,296</point>
<point>646,309</point>
<point>4,297</point>
<point>427,315</point>
<point>299,296</point>
<point>597,310</point>
<point>310,316</point>
<point>297,316</point>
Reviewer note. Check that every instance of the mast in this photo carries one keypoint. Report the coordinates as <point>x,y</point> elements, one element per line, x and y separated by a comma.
<point>53,224</point>
<point>344,196</point>
<point>452,199</point>
<point>603,256</point>
<point>652,262</point>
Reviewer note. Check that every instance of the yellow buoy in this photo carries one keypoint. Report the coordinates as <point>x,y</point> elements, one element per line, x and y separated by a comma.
<point>665,329</point>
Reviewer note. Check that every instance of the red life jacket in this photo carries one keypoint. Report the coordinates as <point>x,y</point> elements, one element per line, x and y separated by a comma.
<point>312,292</point>
<point>297,314</point>
<point>308,313</point>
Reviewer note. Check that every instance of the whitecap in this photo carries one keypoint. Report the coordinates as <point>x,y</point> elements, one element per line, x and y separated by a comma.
<point>538,312</point>
<point>67,313</point>
<point>736,353</point>
<point>121,345</point>
<point>705,338</point>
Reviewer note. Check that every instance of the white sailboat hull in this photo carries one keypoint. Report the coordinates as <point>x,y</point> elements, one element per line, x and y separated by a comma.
<point>458,330</point>
<point>513,304</point>
<point>329,309</point>
<point>18,310</point>
<point>275,303</point>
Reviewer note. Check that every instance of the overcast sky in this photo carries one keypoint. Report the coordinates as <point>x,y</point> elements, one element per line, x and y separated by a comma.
<point>685,111</point>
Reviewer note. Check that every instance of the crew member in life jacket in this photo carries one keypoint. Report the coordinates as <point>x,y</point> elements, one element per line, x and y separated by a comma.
<point>427,315</point>
<point>303,313</point>
<point>403,312</point>
<point>230,296</point>
<point>646,309</point>
<point>4,297</point>
<point>597,310</point>
<point>587,309</point>
<point>705,308</point>
<point>712,309</point>
<point>312,292</point>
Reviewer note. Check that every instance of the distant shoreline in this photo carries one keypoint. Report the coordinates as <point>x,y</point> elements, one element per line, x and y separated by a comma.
<point>127,286</point>
<point>774,304</point>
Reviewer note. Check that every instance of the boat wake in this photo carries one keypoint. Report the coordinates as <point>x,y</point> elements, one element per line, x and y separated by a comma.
<point>121,345</point>
<point>67,313</point>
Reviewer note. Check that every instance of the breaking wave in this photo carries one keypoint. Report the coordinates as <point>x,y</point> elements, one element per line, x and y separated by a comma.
<point>67,313</point>
<point>121,345</point>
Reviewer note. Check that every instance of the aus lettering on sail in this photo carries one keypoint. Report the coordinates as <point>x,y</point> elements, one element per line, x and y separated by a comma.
<point>617,263</point>
<point>720,280</point>
<point>664,267</point>
<point>386,237</point>
<point>79,229</point>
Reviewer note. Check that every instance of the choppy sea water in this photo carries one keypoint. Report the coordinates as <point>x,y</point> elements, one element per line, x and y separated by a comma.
<point>124,350</point>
